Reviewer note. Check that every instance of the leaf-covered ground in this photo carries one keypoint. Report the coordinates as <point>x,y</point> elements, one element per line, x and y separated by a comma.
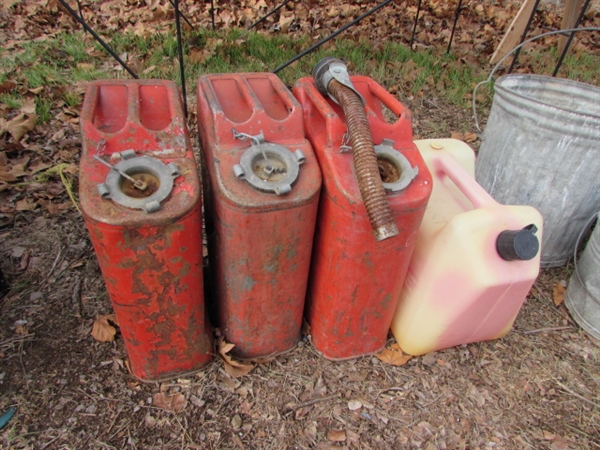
<point>536,388</point>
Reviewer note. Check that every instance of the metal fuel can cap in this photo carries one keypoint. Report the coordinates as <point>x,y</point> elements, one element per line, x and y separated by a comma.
<point>333,69</point>
<point>138,182</point>
<point>396,171</point>
<point>269,167</point>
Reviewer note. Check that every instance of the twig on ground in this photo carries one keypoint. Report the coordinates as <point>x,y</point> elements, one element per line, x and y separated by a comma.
<point>576,395</point>
<point>541,330</point>
<point>76,297</point>
<point>115,420</point>
<point>68,184</point>
<point>313,401</point>
<point>9,344</point>
<point>54,264</point>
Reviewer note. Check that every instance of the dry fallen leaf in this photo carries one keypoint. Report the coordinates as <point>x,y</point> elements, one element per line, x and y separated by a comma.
<point>7,86</point>
<point>470,137</point>
<point>234,368</point>
<point>353,405</point>
<point>25,205</point>
<point>336,435</point>
<point>236,422</point>
<point>320,388</point>
<point>393,355</point>
<point>174,403</point>
<point>559,293</point>
<point>305,328</point>
<point>19,125</point>
<point>102,330</point>
<point>28,105</point>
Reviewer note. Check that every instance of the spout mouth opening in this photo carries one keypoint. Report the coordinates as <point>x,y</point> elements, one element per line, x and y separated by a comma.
<point>272,170</point>
<point>389,170</point>
<point>148,177</point>
<point>386,231</point>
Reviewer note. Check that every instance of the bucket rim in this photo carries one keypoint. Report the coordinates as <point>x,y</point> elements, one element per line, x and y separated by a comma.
<point>498,86</point>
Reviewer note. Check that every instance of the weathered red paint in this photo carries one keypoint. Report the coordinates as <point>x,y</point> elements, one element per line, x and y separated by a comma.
<point>151,263</point>
<point>355,281</point>
<point>259,243</point>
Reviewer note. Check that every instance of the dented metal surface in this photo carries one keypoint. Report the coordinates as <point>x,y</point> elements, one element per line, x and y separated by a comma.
<point>151,263</point>
<point>259,242</point>
<point>355,281</point>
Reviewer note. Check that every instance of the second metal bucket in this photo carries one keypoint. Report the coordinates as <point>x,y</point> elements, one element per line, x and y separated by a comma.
<point>583,294</point>
<point>541,148</point>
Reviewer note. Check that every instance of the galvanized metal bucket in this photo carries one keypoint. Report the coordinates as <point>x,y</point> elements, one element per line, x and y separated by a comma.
<point>541,148</point>
<point>583,293</point>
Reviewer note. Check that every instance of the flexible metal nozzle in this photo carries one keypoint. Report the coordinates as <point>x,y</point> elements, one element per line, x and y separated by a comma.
<point>331,78</point>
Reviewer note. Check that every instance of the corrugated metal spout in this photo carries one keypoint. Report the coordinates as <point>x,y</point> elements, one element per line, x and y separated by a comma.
<point>331,77</point>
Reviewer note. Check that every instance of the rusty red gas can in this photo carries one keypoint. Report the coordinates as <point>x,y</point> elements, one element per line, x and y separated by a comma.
<point>141,201</point>
<point>355,280</point>
<point>262,193</point>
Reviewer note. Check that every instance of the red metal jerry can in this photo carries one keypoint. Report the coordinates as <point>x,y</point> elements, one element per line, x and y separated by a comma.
<point>262,196</point>
<point>140,197</point>
<point>355,280</point>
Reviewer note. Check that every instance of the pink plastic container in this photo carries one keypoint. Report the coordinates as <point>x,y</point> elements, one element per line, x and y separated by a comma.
<point>474,262</point>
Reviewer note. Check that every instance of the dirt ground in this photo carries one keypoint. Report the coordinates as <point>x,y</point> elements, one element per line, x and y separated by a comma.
<point>538,388</point>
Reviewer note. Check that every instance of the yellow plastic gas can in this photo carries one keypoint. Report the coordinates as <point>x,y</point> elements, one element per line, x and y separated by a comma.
<point>474,262</point>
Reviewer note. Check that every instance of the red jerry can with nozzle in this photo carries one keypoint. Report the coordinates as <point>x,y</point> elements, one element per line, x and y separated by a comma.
<point>141,201</point>
<point>262,192</point>
<point>357,274</point>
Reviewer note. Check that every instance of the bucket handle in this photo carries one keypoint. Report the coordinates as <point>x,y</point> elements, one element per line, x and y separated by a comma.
<point>577,274</point>
<point>450,167</point>
<point>491,75</point>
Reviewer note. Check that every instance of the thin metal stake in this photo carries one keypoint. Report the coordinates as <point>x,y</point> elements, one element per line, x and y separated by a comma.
<point>571,36</point>
<point>180,52</point>
<point>331,36</point>
<point>212,13</point>
<point>456,16</point>
<point>182,15</point>
<point>414,31</point>
<point>527,27</point>
<point>80,11</point>
<point>268,14</point>
<point>97,37</point>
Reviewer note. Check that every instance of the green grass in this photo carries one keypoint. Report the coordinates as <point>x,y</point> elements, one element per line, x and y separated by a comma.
<point>71,57</point>
<point>12,100</point>
<point>43,108</point>
<point>584,67</point>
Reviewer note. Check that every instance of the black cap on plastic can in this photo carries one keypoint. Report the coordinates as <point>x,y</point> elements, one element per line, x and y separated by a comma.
<point>518,245</point>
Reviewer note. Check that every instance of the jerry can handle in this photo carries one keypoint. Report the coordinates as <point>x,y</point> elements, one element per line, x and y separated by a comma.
<point>450,167</point>
<point>389,101</point>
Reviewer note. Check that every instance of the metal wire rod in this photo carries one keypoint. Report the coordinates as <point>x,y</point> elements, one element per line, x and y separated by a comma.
<point>97,37</point>
<point>493,71</point>
<point>456,16</point>
<point>269,14</point>
<point>571,36</point>
<point>212,13</point>
<point>80,10</point>
<point>182,15</point>
<point>523,36</point>
<point>180,53</point>
<point>414,31</point>
<point>331,36</point>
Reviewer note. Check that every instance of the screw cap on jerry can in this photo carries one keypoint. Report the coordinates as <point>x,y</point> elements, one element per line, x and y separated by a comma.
<point>522,245</point>
<point>333,69</point>
<point>320,73</point>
